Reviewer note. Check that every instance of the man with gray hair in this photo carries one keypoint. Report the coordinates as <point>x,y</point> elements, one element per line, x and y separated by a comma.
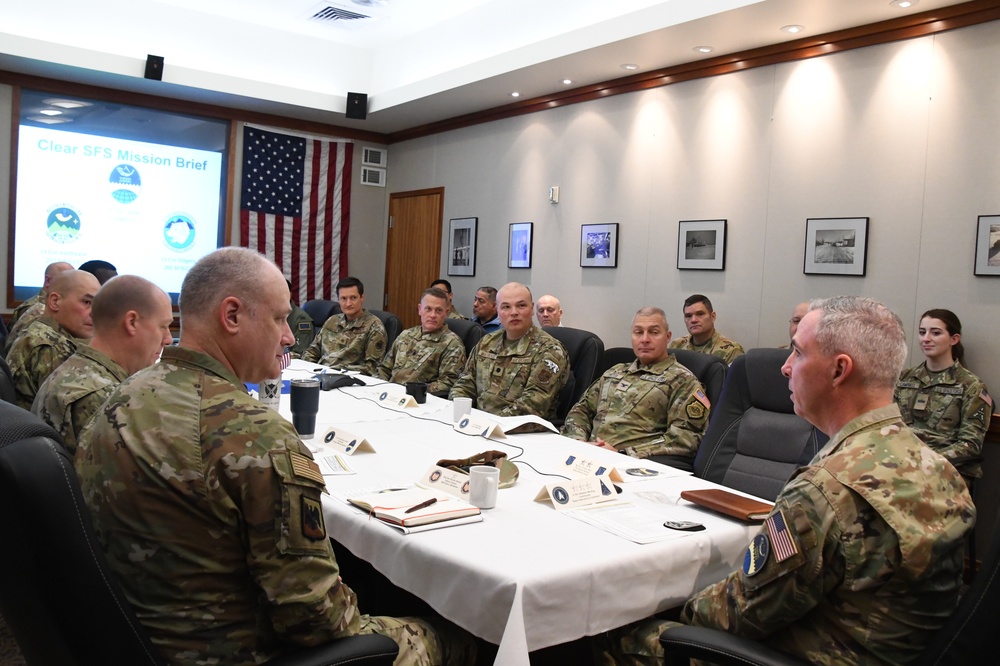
<point>132,318</point>
<point>861,559</point>
<point>237,566</point>
<point>652,406</point>
<point>484,309</point>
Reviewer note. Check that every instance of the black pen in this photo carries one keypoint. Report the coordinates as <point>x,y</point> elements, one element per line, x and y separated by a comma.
<point>422,505</point>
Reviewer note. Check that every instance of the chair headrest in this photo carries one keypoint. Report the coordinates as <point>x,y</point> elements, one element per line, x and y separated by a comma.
<point>768,387</point>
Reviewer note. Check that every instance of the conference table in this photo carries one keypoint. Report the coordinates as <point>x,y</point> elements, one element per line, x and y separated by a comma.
<point>528,576</point>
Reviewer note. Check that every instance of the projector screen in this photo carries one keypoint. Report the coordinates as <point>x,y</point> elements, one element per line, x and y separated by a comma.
<point>140,188</point>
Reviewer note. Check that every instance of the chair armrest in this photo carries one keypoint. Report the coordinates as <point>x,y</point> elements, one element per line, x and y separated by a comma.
<point>369,649</point>
<point>683,642</point>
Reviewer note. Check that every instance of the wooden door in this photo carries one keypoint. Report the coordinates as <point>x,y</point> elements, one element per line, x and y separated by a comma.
<point>413,250</point>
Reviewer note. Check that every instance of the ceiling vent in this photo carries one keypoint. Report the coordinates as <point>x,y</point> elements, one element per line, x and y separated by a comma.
<point>326,13</point>
<point>373,156</point>
<point>373,177</point>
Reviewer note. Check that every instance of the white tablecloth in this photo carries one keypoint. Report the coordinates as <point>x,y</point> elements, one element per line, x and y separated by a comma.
<point>527,577</point>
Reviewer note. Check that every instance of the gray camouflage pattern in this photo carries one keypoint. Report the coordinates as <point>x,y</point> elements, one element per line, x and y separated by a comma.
<point>40,349</point>
<point>436,358</point>
<point>357,345</point>
<point>303,330</point>
<point>718,345</point>
<point>16,329</point>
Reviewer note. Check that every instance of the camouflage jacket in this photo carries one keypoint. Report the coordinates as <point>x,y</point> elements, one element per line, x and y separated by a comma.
<point>237,560</point>
<point>436,358</point>
<point>520,378</point>
<point>949,410</point>
<point>40,349</point>
<point>861,560</point>
<point>643,410</point>
<point>453,313</point>
<point>38,298</point>
<point>718,345</point>
<point>16,329</point>
<point>356,345</point>
<point>73,393</point>
<point>302,328</point>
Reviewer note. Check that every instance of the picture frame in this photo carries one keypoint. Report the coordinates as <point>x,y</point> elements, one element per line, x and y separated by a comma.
<point>462,245</point>
<point>836,246</point>
<point>987,246</point>
<point>701,245</point>
<point>599,245</point>
<point>519,245</point>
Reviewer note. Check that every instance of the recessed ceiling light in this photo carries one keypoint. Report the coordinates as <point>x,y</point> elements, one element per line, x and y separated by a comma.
<point>66,103</point>
<point>515,94</point>
<point>703,49</point>
<point>630,66</point>
<point>904,4</point>
<point>793,29</point>
<point>49,120</point>
<point>50,112</point>
<point>567,81</point>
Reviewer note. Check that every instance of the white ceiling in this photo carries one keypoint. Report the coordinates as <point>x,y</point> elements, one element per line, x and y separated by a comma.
<point>419,61</point>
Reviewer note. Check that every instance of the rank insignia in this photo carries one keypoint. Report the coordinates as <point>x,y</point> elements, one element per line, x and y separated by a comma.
<point>313,527</point>
<point>756,555</point>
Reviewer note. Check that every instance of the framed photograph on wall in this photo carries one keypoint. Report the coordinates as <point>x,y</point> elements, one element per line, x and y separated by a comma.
<point>836,246</point>
<point>462,246</point>
<point>599,245</point>
<point>988,246</point>
<point>701,245</point>
<point>519,250</point>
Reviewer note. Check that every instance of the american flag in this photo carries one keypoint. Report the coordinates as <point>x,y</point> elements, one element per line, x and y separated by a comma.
<point>781,541</point>
<point>295,207</point>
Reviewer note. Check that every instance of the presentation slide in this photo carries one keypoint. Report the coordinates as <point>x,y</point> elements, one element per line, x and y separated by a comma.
<point>149,209</point>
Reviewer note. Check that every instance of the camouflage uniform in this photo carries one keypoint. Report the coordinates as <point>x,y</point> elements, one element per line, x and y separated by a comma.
<point>643,410</point>
<point>355,345</point>
<point>40,349</point>
<point>73,393</point>
<point>16,329</point>
<point>302,328</point>
<point>950,410</point>
<point>453,313</point>
<point>872,564</point>
<point>236,566</point>
<point>718,345</point>
<point>512,379</point>
<point>436,358</point>
<point>20,309</point>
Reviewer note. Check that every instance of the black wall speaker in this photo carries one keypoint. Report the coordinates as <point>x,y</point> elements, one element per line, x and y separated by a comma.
<point>357,106</point>
<point>154,67</point>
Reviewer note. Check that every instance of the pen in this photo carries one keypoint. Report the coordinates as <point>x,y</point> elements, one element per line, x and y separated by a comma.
<point>422,505</point>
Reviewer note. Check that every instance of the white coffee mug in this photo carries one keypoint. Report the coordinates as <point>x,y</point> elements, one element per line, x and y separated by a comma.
<point>463,406</point>
<point>483,483</point>
<point>269,393</point>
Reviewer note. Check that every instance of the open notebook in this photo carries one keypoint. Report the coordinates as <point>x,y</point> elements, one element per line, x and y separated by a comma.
<point>414,506</point>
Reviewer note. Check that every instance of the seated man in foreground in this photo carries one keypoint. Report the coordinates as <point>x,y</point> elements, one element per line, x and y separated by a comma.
<point>208,504</point>
<point>652,406</point>
<point>860,561</point>
<point>429,352</point>
<point>519,369</point>
<point>352,340</point>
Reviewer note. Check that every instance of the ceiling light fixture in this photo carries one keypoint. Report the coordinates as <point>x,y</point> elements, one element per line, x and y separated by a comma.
<point>793,29</point>
<point>630,66</point>
<point>50,112</point>
<point>703,49</point>
<point>49,120</point>
<point>567,81</point>
<point>66,103</point>
<point>515,94</point>
<point>904,4</point>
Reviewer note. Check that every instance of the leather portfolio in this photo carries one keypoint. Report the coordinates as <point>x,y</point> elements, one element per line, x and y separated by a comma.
<point>730,504</point>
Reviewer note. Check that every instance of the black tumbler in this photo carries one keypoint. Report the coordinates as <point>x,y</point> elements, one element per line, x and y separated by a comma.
<point>418,390</point>
<point>305,404</point>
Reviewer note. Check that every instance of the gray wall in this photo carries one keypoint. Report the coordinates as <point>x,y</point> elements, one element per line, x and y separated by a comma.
<point>903,133</point>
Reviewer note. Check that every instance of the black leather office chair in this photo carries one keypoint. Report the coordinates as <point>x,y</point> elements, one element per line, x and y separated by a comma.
<point>320,310</point>
<point>612,357</point>
<point>3,333</point>
<point>57,593</point>
<point>393,326</point>
<point>6,383</point>
<point>755,440</point>
<point>966,638</point>
<point>468,331</point>
<point>585,350</point>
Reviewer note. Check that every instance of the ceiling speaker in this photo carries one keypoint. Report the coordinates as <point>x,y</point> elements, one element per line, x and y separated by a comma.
<point>154,67</point>
<point>357,106</point>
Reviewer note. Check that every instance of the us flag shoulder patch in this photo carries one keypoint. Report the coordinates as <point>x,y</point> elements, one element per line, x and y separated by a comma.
<point>782,544</point>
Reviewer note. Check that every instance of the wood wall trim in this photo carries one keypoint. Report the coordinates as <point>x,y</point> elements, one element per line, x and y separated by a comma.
<point>906,27</point>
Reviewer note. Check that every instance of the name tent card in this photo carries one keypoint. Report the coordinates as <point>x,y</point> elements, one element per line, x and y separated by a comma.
<point>580,466</point>
<point>446,480</point>
<point>393,397</point>
<point>346,442</point>
<point>478,426</point>
<point>577,492</point>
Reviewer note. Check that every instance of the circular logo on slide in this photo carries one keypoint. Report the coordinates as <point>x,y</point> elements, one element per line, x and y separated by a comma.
<point>63,225</point>
<point>178,232</point>
<point>125,183</point>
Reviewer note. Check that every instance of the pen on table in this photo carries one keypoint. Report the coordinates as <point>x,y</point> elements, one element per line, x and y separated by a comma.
<point>422,505</point>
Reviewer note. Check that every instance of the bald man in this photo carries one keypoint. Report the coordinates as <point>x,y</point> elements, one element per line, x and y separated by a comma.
<point>519,369</point>
<point>549,311</point>
<point>49,340</point>
<point>793,324</point>
<point>32,309</point>
<point>132,318</point>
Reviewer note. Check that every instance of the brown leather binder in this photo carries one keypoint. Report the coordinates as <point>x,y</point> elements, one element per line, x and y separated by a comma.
<point>730,504</point>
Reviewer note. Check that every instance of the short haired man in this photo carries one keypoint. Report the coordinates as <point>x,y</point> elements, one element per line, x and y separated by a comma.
<point>100,269</point>
<point>861,558</point>
<point>132,318</point>
<point>484,309</point>
<point>652,406</point>
<point>49,340</point>
<point>699,318</point>
<point>517,370</point>
<point>793,324</point>
<point>549,311</point>
<point>302,327</point>
<point>445,286</point>
<point>236,568</point>
<point>34,307</point>
<point>352,340</point>
<point>430,352</point>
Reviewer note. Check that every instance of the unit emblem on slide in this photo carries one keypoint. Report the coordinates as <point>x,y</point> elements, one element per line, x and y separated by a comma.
<point>178,232</point>
<point>63,225</point>
<point>125,183</point>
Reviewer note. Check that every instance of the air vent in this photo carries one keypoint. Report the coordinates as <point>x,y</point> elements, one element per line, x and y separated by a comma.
<point>373,156</point>
<point>373,177</point>
<point>325,13</point>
